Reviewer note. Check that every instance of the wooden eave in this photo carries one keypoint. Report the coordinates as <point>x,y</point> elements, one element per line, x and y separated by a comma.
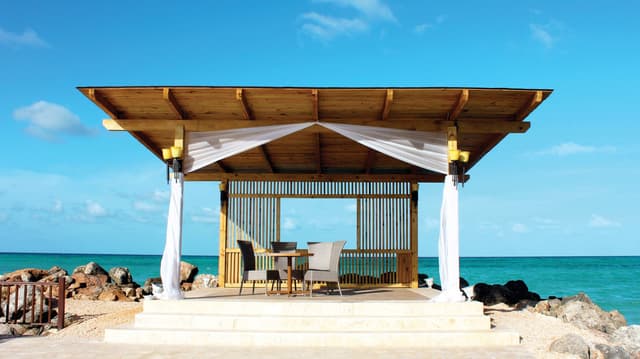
<point>484,116</point>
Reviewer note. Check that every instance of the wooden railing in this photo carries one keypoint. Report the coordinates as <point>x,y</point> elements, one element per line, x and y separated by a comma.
<point>39,293</point>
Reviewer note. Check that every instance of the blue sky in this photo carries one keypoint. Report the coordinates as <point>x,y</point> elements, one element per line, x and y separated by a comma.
<point>566,187</point>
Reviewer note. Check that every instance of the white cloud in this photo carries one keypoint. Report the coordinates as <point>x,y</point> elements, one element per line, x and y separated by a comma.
<point>422,28</point>
<point>571,148</point>
<point>542,35</point>
<point>49,120</point>
<point>57,206</point>
<point>373,9</point>
<point>519,228</point>
<point>143,206</point>
<point>598,221</point>
<point>27,38</point>
<point>94,209</point>
<point>207,215</point>
<point>160,196</point>
<point>288,224</point>
<point>326,27</point>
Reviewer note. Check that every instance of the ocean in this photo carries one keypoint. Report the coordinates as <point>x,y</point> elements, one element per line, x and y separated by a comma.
<point>609,281</point>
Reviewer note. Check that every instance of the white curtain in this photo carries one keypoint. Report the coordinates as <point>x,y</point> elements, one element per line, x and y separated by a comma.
<point>448,245</point>
<point>170,265</point>
<point>427,150</point>
<point>205,148</point>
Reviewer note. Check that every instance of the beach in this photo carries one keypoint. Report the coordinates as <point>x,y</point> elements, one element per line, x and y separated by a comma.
<point>84,339</point>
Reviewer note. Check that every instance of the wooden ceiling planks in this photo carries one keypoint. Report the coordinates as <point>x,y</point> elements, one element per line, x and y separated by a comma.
<point>484,117</point>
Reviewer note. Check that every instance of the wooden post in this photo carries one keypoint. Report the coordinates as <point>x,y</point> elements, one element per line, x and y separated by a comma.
<point>414,235</point>
<point>224,206</point>
<point>61,302</point>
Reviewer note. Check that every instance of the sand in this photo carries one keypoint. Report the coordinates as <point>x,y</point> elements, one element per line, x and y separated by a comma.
<point>83,339</point>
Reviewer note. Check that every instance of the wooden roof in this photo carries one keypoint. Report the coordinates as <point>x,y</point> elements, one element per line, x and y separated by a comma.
<point>484,116</point>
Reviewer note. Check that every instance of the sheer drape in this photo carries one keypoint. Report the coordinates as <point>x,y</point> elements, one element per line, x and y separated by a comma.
<point>170,265</point>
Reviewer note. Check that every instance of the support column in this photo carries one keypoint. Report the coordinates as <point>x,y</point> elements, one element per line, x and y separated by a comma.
<point>414,235</point>
<point>222,260</point>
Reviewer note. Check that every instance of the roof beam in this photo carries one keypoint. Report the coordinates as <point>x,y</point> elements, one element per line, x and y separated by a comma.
<point>371,157</point>
<point>388,99</point>
<point>536,99</point>
<point>267,158</point>
<point>316,103</point>
<point>478,126</point>
<point>217,176</point>
<point>246,111</point>
<point>459,106</point>
<point>104,104</point>
<point>168,97</point>
<point>223,166</point>
<point>318,154</point>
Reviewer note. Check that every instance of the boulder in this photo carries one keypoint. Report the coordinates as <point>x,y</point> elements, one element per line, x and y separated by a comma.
<point>205,281</point>
<point>5,330</point>
<point>628,337</point>
<point>146,287</point>
<point>54,276</point>
<point>120,275</point>
<point>604,351</point>
<point>93,268</point>
<point>82,280</point>
<point>571,344</point>
<point>493,294</point>
<point>33,298</point>
<point>187,272</point>
<point>463,283</point>
<point>25,275</point>
<point>421,278</point>
<point>78,269</point>
<point>580,311</point>
<point>56,269</point>
<point>112,293</point>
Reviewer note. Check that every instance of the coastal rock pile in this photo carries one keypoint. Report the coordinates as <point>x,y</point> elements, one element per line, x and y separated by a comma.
<point>511,293</point>
<point>580,311</point>
<point>92,282</point>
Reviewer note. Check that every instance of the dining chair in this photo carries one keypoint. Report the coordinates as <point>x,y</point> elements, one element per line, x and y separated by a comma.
<point>324,263</point>
<point>280,263</point>
<point>249,271</point>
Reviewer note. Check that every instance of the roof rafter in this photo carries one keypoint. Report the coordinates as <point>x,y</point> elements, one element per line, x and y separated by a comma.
<point>384,115</point>
<point>246,110</point>
<point>170,99</point>
<point>459,106</point>
<point>223,166</point>
<point>267,158</point>
<point>316,104</point>
<point>536,99</point>
<point>104,104</point>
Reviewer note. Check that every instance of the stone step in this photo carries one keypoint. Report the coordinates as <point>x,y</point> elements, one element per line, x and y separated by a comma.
<point>302,307</point>
<point>340,339</point>
<point>273,323</point>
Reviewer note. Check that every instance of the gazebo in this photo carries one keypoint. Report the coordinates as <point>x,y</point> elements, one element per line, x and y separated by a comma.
<point>374,145</point>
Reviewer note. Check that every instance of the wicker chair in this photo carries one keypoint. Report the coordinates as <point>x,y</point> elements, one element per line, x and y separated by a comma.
<point>249,271</point>
<point>324,264</point>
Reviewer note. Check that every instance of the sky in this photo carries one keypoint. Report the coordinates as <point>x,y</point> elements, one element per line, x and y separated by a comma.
<point>566,187</point>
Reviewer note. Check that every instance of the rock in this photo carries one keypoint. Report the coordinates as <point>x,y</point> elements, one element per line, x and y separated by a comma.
<point>571,344</point>
<point>33,295</point>
<point>112,293</point>
<point>421,278</point>
<point>87,293</point>
<point>205,281</point>
<point>493,294</point>
<point>139,293</point>
<point>25,275</point>
<point>521,291</point>
<point>463,283</point>
<point>580,311</point>
<point>33,331</point>
<point>186,286</point>
<point>187,272</point>
<point>78,269</point>
<point>93,268</point>
<point>5,330</point>
<point>56,269</point>
<point>603,351</point>
<point>54,276</point>
<point>120,275</point>
<point>82,280</point>
<point>146,287</point>
<point>628,337</point>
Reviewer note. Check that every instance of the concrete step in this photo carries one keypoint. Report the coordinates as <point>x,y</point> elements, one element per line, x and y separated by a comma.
<point>273,323</point>
<point>342,339</point>
<point>303,307</point>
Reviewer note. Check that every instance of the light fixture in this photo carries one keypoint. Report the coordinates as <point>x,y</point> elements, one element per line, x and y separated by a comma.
<point>173,158</point>
<point>457,164</point>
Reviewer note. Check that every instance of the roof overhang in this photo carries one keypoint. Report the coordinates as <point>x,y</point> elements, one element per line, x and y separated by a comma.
<point>483,116</point>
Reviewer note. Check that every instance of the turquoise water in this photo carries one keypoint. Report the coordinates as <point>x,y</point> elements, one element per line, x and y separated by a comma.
<point>609,281</point>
